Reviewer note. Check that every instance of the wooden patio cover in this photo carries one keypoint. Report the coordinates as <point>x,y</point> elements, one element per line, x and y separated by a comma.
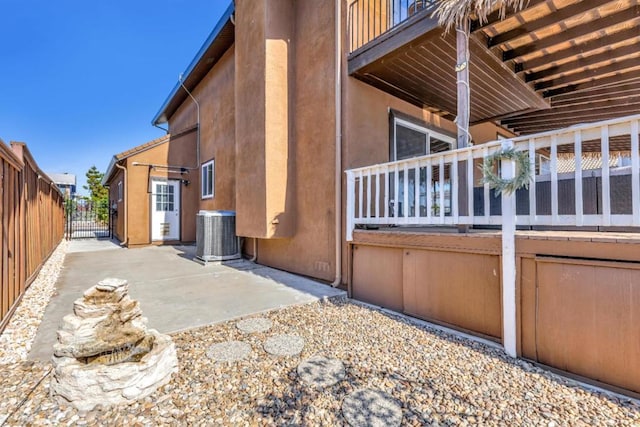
<point>552,65</point>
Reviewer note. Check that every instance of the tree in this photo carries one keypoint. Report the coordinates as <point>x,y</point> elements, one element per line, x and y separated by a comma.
<point>98,194</point>
<point>94,184</point>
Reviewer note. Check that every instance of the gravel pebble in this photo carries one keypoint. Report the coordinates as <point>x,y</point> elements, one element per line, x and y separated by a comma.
<point>437,378</point>
<point>229,351</point>
<point>371,408</point>
<point>284,345</point>
<point>254,324</point>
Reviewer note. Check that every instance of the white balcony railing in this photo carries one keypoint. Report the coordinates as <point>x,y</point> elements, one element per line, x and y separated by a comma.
<point>446,188</point>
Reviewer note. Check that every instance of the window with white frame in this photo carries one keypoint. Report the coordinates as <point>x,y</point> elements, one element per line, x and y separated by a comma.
<point>208,174</point>
<point>119,191</point>
<point>408,140</point>
<point>412,140</point>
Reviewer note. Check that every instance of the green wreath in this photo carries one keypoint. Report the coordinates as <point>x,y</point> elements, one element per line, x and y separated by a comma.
<point>507,186</point>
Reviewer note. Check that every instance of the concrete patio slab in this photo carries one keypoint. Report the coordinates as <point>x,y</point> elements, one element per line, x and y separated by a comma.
<point>175,292</point>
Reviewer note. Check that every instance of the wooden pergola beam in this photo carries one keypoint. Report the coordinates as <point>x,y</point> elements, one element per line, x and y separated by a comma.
<point>596,94</point>
<point>595,73</point>
<point>578,111</point>
<point>555,17</point>
<point>589,61</point>
<point>604,81</point>
<point>573,33</point>
<point>582,48</point>
<point>575,116</point>
<point>560,125</point>
<point>494,16</point>
<point>611,96</point>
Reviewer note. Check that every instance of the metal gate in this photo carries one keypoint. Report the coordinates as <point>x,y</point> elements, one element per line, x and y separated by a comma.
<point>87,219</point>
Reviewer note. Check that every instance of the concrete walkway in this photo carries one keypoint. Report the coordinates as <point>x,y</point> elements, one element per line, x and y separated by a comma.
<point>174,291</point>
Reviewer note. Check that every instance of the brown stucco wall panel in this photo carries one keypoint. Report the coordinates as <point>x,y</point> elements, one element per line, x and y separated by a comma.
<point>265,61</point>
<point>279,149</point>
<point>250,118</point>
<point>139,178</point>
<point>138,199</point>
<point>298,140</point>
<point>216,96</point>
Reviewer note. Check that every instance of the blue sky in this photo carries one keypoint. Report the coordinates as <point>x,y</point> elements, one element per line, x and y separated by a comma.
<point>81,80</point>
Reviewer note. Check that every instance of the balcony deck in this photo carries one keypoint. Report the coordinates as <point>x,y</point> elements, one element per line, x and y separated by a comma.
<point>555,64</point>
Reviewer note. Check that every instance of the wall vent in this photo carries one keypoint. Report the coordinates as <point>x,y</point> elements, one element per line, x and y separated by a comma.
<point>216,238</point>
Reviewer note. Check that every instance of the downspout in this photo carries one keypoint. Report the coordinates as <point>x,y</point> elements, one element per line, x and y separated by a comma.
<point>126,203</point>
<point>197,121</point>
<point>255,250</point>
<point>338,146</point>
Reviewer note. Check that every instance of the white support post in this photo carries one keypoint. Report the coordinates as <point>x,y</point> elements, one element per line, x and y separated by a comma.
<point>351,200</point>
<point>509,258</point>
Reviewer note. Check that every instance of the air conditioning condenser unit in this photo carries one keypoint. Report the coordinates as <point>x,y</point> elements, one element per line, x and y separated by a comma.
<point>216,238</point>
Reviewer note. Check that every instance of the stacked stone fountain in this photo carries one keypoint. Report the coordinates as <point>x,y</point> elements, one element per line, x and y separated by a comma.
<point>105,354</point>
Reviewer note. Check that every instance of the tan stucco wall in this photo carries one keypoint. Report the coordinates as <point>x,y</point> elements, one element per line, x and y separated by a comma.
<point>250,117</point>
<point>216,96</point>
<point>267,117</point>
<point>265,86</point>
<point>138,199</point>
<point>311,250</point>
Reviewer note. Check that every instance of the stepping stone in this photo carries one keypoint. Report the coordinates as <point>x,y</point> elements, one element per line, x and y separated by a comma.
<point>320,371</point>
<point>229,351</point>
<point>372,408</point>
<point>284,345</point>
<point>254,324</point>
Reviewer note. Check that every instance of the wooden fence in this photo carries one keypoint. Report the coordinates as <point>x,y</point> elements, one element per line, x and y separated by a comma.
<point>32,223</point>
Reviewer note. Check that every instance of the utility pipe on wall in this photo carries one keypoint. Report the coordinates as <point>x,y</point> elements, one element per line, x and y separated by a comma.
<point>338,146</point>
<point>197,121</point>
<point>126,204</point>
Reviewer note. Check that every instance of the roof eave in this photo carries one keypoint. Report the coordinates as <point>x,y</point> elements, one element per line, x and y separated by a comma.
<point>161,116</point>
<point>107,176</point>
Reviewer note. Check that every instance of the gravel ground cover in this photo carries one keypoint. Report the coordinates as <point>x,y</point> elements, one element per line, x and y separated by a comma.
<point>16,340</point>
<point>436,378</point>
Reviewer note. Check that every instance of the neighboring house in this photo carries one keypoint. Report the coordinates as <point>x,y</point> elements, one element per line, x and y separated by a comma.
<point>66,182</point>
<point>152,193</point>
<point>278,123</point>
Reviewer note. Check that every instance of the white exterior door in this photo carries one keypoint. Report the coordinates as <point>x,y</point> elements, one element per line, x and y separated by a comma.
<point>165,210</point>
